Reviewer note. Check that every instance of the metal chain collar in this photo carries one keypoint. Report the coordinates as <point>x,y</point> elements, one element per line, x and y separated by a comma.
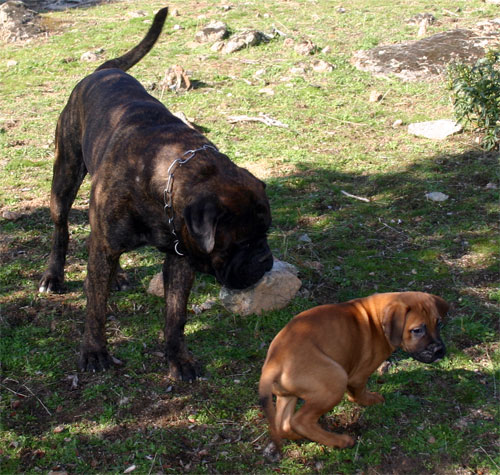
<point>167,192</point>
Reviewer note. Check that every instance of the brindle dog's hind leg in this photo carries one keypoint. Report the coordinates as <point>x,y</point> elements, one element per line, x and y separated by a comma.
<point>69,172</point>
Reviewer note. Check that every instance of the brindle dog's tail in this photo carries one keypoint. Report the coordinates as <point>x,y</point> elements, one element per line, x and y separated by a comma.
<point>142,49</point>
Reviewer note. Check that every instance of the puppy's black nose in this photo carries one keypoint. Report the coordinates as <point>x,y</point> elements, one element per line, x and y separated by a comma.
<point>439,351</point>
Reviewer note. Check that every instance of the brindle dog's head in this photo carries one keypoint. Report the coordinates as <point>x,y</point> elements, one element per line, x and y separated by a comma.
<point>225,231</point>
<point>412,322</point>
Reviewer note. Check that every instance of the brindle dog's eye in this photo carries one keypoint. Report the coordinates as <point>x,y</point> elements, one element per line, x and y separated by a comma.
<point>417,331</point>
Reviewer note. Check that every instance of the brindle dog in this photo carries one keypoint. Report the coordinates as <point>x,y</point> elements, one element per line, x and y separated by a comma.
<point>155,181</point>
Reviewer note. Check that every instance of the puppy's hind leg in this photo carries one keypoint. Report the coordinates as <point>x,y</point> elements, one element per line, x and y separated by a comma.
<point>68,174</point>
<point>321,391</point>
<point>285,408</point>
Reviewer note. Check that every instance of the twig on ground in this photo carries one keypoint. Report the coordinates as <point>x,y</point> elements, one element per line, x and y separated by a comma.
<point>258,438</point>
<point>265,119</point>
<point>13,392</point>
<point>38,399</point>
<point>152,464</point>
<point>360,198</point>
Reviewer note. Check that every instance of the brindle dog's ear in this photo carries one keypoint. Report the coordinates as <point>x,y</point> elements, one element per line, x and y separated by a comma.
<point>201,218</point>
<point>441,305</point>
<point>393,322</point>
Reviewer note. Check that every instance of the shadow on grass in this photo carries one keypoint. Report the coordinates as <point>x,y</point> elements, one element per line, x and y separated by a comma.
<point>399,240</point>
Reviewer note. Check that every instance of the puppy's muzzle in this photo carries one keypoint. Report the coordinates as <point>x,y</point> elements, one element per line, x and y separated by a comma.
<point>432,352</point>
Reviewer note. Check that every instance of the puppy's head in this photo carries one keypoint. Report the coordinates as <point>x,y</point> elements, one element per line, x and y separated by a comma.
<point>412,321</point>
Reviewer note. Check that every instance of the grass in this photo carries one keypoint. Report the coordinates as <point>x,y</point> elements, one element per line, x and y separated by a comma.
<point>436,419</point>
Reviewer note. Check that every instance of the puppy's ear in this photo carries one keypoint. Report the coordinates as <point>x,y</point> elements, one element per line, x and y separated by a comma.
<point>441,305</point>
<point>201,219</point>
<point>393,322</point>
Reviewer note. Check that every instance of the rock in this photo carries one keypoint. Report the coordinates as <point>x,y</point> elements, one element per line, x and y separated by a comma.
<point>214,31</point>
<point>267,90</point>
<point>11,63</point>
<point>242,40</point>
<point>298,69</point>
<point>436,196</point>
<point>326,50</point>
<point>89,57</point>
<point>17,22</point>
<point>321,66</point>
<point>137,14</point>
<point>305,48</point>
<point>176,78</point>
<point>417,19</point>
<point>491,186</point>
<point>10,215</point>
<point>435,129</point>
<point>305,238</point>
<point>156,285</point>
<point>375,96</point>
<point>272,292</point>
<point>426,58</point>
<point>397,123</point>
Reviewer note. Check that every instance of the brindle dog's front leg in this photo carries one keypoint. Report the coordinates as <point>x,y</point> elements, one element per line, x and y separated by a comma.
<point>101,268</point>
<point>178,277</point>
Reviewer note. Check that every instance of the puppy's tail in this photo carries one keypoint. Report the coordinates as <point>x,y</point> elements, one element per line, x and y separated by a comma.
<point>266,402</point>
<point>142,49</point>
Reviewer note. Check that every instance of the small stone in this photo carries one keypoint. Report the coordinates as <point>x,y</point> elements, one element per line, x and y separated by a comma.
<point>436,196</point>
<point>341,10</point>
<point>298,70</point>
<point>214,31</point>
<point>397,123</point>
<point>326,50</point>
<point>11,63</point>
<point>375,96</point>
<point>156,285</point>
<point>267,90</point>
<point>321,66</point>
<point>491,186</point>
<point>89,57</point>
<point>137,14</point>
<point>305,238</point>
<point>174,12</point>
<point>177,27</point>
<point>10,215</point>
<point>217,46</point>
<point>242,40</point>
<point>305,48</point>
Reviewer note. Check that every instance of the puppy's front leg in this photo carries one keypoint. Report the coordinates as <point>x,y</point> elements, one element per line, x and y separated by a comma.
<point>357,392</point>
<point>178,277</point>
<point>101,267</point>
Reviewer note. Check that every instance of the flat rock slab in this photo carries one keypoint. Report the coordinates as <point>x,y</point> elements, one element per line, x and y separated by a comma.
<point>434,129</point>
<point>423,59</point>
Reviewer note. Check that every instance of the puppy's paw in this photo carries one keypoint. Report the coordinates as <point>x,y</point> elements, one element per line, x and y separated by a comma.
<point>345,441</point>
<point>369,399</point>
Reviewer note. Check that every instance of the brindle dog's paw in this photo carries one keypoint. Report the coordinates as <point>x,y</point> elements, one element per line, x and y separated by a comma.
<point>51,283</point>
<point>182,370</point>
<point>95,360</point>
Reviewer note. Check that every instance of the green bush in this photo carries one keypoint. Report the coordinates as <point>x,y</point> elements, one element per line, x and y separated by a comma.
<point>476,96</point>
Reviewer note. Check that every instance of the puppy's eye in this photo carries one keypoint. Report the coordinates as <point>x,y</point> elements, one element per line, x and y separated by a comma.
<point>419,331</point>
